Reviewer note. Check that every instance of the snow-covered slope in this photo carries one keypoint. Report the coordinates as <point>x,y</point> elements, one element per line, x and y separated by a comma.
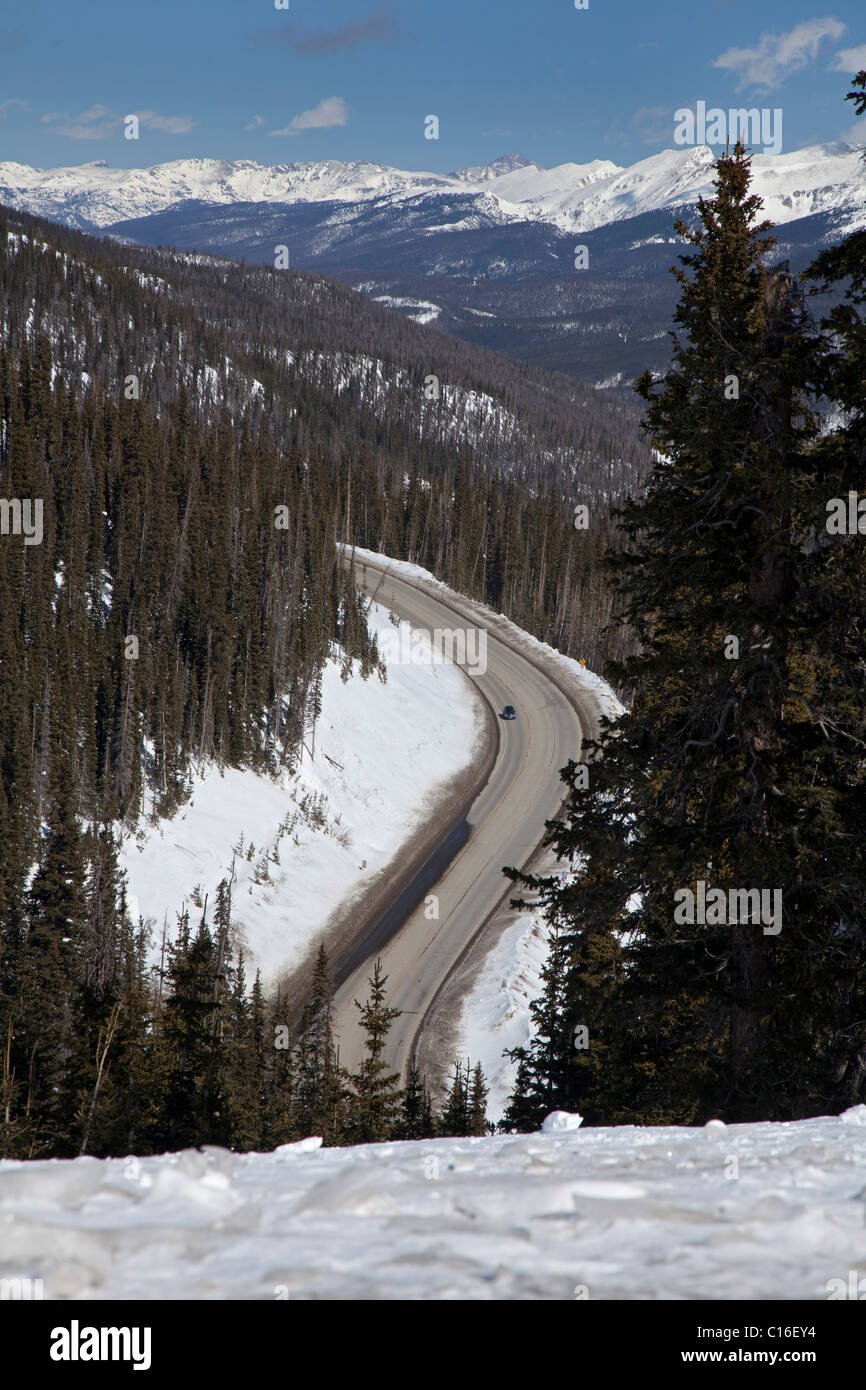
<point>822,178</point>
<point>761,1211</point>
<point>818,179</point>
<point>305,843</point>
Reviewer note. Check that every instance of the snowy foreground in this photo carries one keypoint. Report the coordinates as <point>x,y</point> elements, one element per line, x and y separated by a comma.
<point>762,1211</point>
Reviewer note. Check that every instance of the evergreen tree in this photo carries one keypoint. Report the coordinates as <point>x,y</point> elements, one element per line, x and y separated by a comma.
<point>725,771</point>
<point>110,1008</point>
<point>319,1082</point>
<point>376,1100</point>
<point>189,1043</point>
<point>279,1127</point>
<point>51,971</point>
<point>416,1119</point>
<point>544,1064</point>
<point>132,1081</point>
<point>454,1119</point>
<point>477,1102</point>
<point>243,1063</point>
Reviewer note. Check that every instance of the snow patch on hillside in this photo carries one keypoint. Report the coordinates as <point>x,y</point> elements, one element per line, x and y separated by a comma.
<point>304,843</point>
<point>421,310</point>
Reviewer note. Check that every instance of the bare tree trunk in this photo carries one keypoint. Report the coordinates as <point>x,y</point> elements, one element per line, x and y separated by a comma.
<point>101,1058</point>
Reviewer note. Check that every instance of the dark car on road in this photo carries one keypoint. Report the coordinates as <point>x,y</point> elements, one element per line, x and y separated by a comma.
<point>509,712</point>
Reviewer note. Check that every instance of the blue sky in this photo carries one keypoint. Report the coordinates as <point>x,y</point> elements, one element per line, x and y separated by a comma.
<point>329,79</point>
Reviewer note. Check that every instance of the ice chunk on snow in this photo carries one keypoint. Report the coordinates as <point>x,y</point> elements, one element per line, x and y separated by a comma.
<point>559,1120</point>
<point>300,1146</point>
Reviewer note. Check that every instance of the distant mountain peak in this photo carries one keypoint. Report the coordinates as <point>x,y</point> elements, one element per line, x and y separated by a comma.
<point>505,164</point>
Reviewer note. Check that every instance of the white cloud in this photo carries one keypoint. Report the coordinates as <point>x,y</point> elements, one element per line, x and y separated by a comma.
<point>96,123</point>
<point>851,59</point>
<point>331,112</point>
<point>174,125</point>
<point>13,104</point>
<point>94,113</point>
<point>255,124</point>
<point>99,123</point>
<point>777,56</point>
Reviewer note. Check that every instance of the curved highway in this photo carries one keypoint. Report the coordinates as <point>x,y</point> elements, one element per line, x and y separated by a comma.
<point>505,824</point>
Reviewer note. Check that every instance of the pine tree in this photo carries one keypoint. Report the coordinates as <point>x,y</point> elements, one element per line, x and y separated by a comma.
<point>377,1096</point>
<point>541,1084</point>
<point>319,1083</point>
<point>51,972</point>
<point>110,1008</point>
<point>724,770</point>
<point>477,1102</point>
<point>242,1082</point>
<point>416,1119</point>
<point>190,1045</point>
<point>132,1080</point>
<point>837,681</point>
<point>454,1119</point>
<point>279,1123</point>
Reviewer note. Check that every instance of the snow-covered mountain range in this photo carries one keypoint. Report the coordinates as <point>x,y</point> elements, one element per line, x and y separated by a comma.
<point>572,197</point>
<point>486,254</point>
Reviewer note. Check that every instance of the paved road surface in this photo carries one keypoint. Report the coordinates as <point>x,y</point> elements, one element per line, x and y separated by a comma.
<point>504,826</point>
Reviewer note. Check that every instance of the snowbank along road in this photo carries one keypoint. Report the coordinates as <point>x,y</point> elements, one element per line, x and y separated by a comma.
<point>504,825</point>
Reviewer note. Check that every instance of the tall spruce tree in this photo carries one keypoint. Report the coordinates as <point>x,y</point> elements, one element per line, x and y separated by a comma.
<point>544,1065</point>
<point>377,1096</point>
<point>51,971</point>
<point>189,1044</point>
<point>416,1117</point>
<point>739,764</point>
<point>477,1102</point>
<point>279,1076</point>
<point>318,1079</point>
<point>454,1118</point>
<point>243,1062</point>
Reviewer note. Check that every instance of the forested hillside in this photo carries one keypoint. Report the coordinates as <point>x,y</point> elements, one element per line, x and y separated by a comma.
<point>183,443</point>
<point>434,451</point>
<point>311,361</point>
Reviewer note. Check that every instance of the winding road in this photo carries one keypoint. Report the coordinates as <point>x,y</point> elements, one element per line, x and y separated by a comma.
<point>504,824</point>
